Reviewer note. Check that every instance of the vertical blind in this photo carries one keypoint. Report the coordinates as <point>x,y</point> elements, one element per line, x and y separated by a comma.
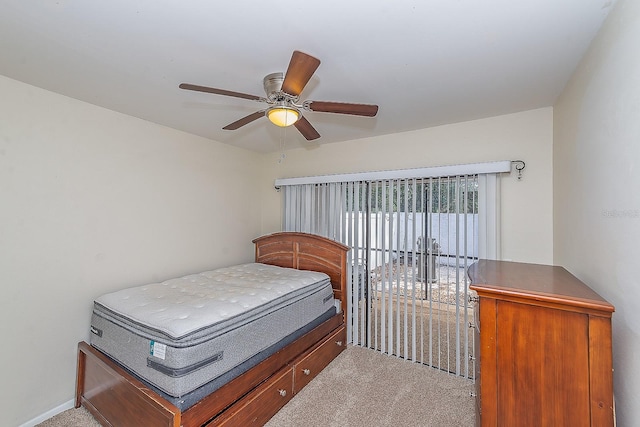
<point>411,242</point>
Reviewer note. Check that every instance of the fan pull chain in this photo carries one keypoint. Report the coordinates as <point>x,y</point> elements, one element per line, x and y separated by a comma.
<point>282,144</point>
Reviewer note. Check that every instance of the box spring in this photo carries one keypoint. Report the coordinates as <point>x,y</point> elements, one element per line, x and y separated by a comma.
<point>183,334</point>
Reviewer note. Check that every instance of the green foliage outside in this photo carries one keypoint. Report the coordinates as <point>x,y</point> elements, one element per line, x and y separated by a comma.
<point>438,195</point>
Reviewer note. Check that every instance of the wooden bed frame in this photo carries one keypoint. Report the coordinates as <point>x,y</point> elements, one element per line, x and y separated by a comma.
<point>116,398</point>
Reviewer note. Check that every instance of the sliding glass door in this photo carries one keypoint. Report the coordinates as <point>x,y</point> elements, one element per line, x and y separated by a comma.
<point>412,241</point>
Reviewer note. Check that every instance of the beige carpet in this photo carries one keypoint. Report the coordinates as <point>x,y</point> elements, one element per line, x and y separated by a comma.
<point>361,387</point>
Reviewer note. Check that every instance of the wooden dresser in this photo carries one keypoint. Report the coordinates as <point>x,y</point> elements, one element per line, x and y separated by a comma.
<point>543,347</point>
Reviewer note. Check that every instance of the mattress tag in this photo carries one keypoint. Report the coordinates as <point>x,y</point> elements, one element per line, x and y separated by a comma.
<point>157,349</point>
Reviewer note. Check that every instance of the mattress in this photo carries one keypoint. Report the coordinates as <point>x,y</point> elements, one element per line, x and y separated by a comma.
<point>186,401</point>
<point>183,333</point>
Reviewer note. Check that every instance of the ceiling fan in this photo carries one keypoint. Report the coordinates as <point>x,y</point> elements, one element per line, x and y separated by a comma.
<point>283,93</point>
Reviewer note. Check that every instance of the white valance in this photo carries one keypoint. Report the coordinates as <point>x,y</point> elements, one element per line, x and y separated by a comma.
<point>428,172</point>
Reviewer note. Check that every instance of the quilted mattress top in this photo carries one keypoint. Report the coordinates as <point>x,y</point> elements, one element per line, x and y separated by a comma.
<point>178,307</point>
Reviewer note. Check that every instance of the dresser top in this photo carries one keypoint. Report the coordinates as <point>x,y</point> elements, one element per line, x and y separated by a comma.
<point>534,281</point>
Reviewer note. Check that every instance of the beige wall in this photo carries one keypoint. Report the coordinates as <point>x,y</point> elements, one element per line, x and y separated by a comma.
<point>596,181</point>
<point>93,201</point>
<point>527,204</point>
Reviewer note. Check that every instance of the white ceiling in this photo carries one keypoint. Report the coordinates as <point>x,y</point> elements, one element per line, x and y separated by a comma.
<point>424,62</point>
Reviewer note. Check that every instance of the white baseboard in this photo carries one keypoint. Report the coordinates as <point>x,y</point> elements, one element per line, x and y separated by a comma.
<point>55,411</point>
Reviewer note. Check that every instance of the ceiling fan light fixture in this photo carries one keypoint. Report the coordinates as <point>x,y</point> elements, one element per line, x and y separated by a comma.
<point>283,93</point>
<point>283,116</point>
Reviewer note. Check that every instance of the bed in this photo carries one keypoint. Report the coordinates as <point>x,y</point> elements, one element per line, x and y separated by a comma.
<point>259,382</point>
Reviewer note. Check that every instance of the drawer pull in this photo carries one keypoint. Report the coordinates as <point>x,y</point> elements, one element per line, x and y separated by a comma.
<point>306,371</point>
<point>339,343</point>
<point>282,392</point>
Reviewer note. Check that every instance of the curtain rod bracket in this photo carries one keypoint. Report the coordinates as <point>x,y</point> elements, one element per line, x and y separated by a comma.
<point>277,188</point>
<point>519,165</point>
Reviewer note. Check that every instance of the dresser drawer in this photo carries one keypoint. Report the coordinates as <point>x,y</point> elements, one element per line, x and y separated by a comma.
<point>316,359</point>
<point>257,407</point>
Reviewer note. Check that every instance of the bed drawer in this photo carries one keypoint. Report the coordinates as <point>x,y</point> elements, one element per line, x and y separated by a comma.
<point>316,359</point>
<point>257,407</point>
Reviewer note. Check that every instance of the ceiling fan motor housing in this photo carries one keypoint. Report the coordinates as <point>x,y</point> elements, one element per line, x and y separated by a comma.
<point>273,85</point>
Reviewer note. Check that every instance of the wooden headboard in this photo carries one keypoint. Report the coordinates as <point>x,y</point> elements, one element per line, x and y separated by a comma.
<point>304,251</point>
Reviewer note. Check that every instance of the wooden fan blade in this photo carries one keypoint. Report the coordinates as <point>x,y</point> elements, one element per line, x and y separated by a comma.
<point>305,128</point>
<point>368,110</point>
<point>245,120</point>
<point>197,88</point>
<point>301,68</point>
